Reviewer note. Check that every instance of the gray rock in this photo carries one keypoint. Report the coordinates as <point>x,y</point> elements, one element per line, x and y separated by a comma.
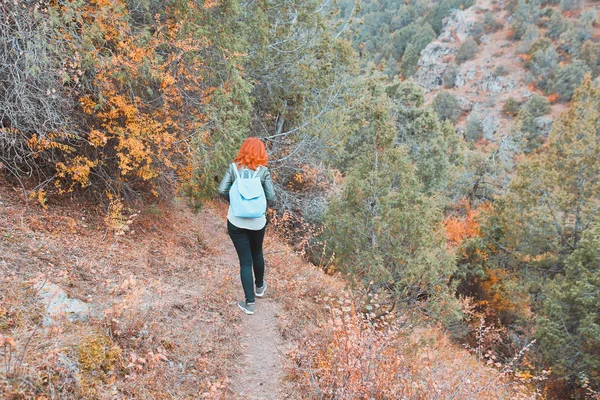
<point>465,104</point>
<point>431,67</point>
<point>462,77</point>
<point>490,125</point>
<point>58,303</point>
<point>544,124</point>
<point>432,64</point>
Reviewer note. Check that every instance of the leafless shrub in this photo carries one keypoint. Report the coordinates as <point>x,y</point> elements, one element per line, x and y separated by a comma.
<point>33,98</point>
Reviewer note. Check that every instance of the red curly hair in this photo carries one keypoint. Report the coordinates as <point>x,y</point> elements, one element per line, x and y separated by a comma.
<point>252,154</point>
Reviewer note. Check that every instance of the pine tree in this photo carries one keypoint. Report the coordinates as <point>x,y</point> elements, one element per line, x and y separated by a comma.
<point>569,327</point>
<point>409,61</point>
<point>383,229</point>
<point>555,195</point>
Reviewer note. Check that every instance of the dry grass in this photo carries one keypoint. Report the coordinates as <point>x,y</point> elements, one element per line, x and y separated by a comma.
<point>343,344</point>
<point>161,333</point>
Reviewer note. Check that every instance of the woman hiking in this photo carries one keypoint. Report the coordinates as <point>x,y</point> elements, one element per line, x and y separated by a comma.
<point>248,187</point>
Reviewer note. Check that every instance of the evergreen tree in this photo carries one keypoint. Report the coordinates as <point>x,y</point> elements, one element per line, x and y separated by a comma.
<point>420,131</point>
<point>568,78</point>
<point>474,128</point>
<point>384,230</point>
<point>409,61</point>
<point>569,327</point>
<point>446,106</point>
<point>542,65</point>
<point>590,54</point>
<point>537,106</point>
<point>555,195</point>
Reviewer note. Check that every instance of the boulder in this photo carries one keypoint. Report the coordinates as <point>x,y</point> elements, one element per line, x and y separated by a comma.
<point>58,303</point>
<point>465,104</point>
<point>490,125</point>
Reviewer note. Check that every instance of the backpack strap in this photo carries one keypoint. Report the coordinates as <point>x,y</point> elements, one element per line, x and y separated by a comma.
<point>237,174</point>
<point>256,172</point>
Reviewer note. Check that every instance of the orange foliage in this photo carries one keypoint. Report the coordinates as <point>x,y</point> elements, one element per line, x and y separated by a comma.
<point>496,296</point>
<point>146,96</point>
<point>553,98</point>
<point>524,57</point>
<point>459,228</point>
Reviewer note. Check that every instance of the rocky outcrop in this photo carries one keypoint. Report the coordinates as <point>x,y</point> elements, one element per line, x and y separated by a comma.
<point>57,303</point>
<point>431,67</point>
<point>433,59</point>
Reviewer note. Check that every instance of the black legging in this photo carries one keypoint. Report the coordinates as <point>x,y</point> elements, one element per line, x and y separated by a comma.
<point>248,245</point>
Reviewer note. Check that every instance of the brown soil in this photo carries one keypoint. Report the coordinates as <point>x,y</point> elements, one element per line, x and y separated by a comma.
<point>168,288</point>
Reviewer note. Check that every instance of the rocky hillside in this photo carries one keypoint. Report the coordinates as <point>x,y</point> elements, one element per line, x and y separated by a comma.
<point>496,72</point>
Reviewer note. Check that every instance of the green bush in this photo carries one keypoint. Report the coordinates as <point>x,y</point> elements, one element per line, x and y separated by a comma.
<point>541,44</point>
<point>511,107</point>
<point>590,54</point>
<point>467,50</point>
<point>569,327</point>
<point>474,128</point>
<point>500,70</point>
<point>568,78</point>
<point>571,5</point>
<point>446,106</point>
<point>542,66</point>
<point>556,26</point>
<point>449,76</point>
<point>410,60</point>
<point>531,35</point>
<point>537,106</point>
<point>490,23</point>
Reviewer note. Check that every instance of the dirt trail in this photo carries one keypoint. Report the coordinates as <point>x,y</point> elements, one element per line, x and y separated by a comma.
<point>261,369</point>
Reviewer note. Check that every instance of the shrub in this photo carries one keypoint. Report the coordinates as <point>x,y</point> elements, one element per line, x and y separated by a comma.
<point>530,36</point>
<point>541,44</point>
<point>466,51</point>
<point>571,5</point>
<point>569,327</point>
<point>590,54</point>
<point>107,106</point>
<point>511,107</point>
<point>477,31</point>
<point>556,25</point>
<point>543,65</point>
<point>449,76</point>
<point>568,78</point>
<point>490,22</point>
<point>537,106</point>
<point>474,128</point>
<point>500,70</point>
<point>446,106</point>
<point>410,60</point>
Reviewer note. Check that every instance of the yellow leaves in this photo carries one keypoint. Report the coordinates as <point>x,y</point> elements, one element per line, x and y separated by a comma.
<point>459,228</point>
<point>168,80</point>
<point>40,197</point>
<point>87,104</point>
<point>97,138</point>
<point>38,144</point>
<point>77,170</point>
